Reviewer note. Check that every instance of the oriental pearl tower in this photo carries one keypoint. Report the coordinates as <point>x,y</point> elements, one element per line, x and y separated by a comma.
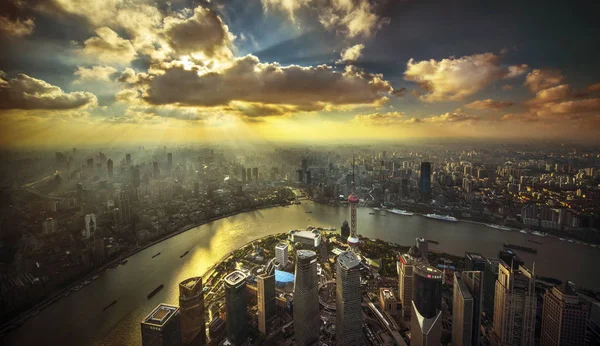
<point>353,200</point>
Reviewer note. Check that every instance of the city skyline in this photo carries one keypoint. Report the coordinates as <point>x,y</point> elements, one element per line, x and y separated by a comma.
<point>104,73</point>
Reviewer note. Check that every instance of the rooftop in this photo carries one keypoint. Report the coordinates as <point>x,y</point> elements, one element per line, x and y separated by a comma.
<point>348,260</point>
<point>307,234</point>
<point>474,256</point>
<point>235,278</point>
<point>191,283</point>
<point>306,254</point>
<point>281,246</point>
<point>161,314</point>
<point>387,294</point>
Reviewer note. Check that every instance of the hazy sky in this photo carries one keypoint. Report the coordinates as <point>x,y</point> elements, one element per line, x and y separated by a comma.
<point>118,71</point>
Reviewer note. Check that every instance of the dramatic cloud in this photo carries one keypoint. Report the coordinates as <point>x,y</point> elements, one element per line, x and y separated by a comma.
<point>24,92</point>
<point>204,32</point>
<point>352,54</point>
<point>489,104</point>
<point>399,118</point>
<point>457,78</point>
<point>516,70</point>
<point>538,79</point>
<point>594,87</point>
<point>352,18</point>
<point>249,80</point>
<point>108,47</point>
<point>451,118</point>
<point>17,27</point>
<point>560,92</point>
<point>385,119</point>
<point>96,73</point>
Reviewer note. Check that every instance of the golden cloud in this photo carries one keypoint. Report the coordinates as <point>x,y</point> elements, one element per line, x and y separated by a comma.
<point>17,27</point>
<point>489,104</point>
<point>108,46</point>
<point>27,93</point>
<point>457,78</point>
<point>540,79</point>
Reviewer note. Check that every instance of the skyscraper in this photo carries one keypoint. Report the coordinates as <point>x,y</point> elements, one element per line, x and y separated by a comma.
<point>162,327</point>
<point>466,308</point>
<point>564,317</point>
<point>266,300</point>
<point>345,231</point>
<point>244,175</point>
<point>236,304</point>
<point>155,171</point>
<point>109,168</point>
<point>90,225</point>
<point>191,305</point>
<point>490,275</point>
<point>169,161</point>
<point>308,177</point>
<point>306,298</point>
<point>128,160</point>
<point>423,246</point>
<point>425,180</point>
<point>248,174</point>
<point>514,307</point>
<point>281,254</point>
<point>353,200</point>
<point>255,173</point>
<point>426,321</point>
<point>474,261</point>
<point>405,267</point>
<point>348,300</point>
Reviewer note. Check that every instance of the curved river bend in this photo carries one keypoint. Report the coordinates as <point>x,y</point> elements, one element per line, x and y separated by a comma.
<point>79,319</point>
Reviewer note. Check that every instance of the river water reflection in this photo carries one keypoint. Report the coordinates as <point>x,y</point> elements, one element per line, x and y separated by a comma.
<point>79,319</point>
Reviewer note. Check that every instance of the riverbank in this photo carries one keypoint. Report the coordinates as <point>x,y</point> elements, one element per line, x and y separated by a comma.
<point>51,298</point>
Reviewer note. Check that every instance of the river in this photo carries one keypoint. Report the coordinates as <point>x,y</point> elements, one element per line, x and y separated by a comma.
<point>79,319</point>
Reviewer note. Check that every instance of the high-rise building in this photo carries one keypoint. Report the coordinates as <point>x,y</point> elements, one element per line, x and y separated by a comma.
<point>387,301</point>
<point>426,321</point>
<point>90,225</point>
<point>592,337</point>
<point>255,173</point>
<point>490,275</point>
<point>49,226</point>
<point>514,307</point>
<point>510,258</point>
<point>466,308</point>
<point>196,189</point>
<point>281,254</point>
<point>90,164</point>
<point>244,175</point>
<point>169,161</point>
<point>191,306</point>
<point>474,261</point>
<point>423,247</point>
<point>128,160</point>
<point>304,165</point>
<point>248,174</point>
<point>308,177</point>
<point>236,304</point>
<point>405,268</point>
<point>162,327</point>
<point>425,180</point>
<point>306,298</point>
<point>348,300</point>
<point>135,177</point>
<point>564,317</point>
<point>124,209</point>
<point>155,171</point>
<point>345,231</point>
<point>109,168</point>
<point>300,175</point>
<point>265,284</point>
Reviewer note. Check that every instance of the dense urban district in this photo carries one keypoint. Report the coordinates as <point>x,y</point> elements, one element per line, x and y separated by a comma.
<point>68,214</point>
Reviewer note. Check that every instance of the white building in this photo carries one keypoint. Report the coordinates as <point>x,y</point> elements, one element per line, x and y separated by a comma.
<point>281,254</point>
<point>309,238</point>
<point>49,226</point>
<point>90,225</point>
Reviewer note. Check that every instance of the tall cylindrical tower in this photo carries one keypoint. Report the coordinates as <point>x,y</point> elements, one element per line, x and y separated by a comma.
<point>353,239</point>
